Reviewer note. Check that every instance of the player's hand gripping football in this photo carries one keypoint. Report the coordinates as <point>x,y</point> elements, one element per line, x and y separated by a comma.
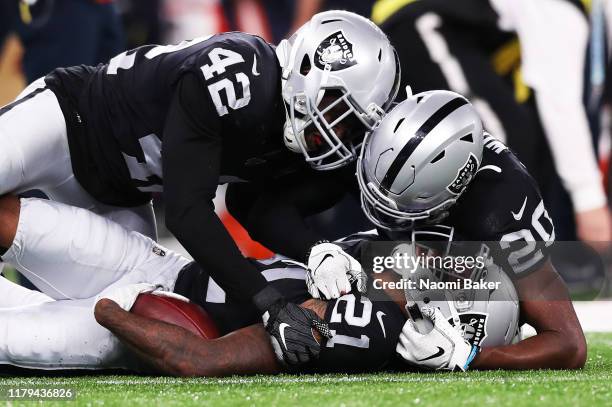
<point>331,271</point>
<point>125,295</point>
<point>291,327</point>
<point>443,348</point>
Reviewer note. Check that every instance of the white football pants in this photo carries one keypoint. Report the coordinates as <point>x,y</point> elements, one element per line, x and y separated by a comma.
<point>35,155</point>
<point>72,255</point>
<point>58,335</point>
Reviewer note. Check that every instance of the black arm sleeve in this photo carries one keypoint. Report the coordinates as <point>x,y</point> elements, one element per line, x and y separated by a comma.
<point>191,166</point>
<point>274,214</point>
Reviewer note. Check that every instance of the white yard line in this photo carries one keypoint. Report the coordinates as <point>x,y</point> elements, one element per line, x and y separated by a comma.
<point>594,316</point>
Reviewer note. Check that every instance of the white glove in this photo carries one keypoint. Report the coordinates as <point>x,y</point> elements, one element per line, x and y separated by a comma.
<point>331,271</point>
<point>443,348</point>
<point>125,296</point>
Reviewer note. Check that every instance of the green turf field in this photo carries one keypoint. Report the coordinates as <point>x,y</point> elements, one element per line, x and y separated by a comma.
<point>589,387</point>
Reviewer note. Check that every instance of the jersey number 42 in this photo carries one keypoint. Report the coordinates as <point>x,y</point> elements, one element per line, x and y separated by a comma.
<point>220,60</point>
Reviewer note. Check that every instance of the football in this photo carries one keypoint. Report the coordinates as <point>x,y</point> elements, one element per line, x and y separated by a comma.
<point>173,311</point>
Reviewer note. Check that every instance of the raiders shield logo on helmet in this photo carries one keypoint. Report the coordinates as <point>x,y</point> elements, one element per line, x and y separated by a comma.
<point>473,327</point>
<point>336,52</point>
<point>464,175</point>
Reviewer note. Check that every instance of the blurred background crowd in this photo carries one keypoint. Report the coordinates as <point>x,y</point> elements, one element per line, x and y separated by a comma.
<point>536,71</point>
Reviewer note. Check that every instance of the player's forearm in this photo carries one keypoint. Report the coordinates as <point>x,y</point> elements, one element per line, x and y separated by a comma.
<point>547,350</point>
<point>274,214</point>
<point>202,233</point>
<point>283,231</point>
<point>172,350</point>
<point>161,346</point>
<point>559,344</point>
<point>268,219</point>
<point>193,145</point>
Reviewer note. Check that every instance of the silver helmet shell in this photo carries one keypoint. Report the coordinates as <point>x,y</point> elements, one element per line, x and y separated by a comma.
<point>345,53</point>
<point>420,158</point>
<point>484,317</point>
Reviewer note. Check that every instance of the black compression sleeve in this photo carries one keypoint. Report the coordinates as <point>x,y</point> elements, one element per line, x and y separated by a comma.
<point>274,214</point>
<point>191,166</point>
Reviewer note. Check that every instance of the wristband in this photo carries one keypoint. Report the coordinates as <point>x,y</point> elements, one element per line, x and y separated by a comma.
<point>473,353</point>
<point>267,297</point>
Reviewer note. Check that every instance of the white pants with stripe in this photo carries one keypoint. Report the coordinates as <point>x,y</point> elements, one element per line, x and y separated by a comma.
<point>34,154</point>
<point>72,255</point>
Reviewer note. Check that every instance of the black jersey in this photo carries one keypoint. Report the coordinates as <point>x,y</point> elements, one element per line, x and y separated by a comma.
<point>226,86</point>
<point>365,332</point>
<point>501,207</point>
<point>184,116</point>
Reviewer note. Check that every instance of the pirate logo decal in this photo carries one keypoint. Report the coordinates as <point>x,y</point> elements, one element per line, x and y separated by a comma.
<point>473,327</point>
<point>464,175</point>
<point>336,52</point>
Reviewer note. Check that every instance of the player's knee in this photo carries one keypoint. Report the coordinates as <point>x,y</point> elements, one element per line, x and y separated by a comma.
<point>9,219</point>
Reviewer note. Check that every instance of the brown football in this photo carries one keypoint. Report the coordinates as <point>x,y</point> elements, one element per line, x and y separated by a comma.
<point>176,312</point>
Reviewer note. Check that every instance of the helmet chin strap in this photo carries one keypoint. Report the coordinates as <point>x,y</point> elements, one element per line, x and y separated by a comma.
<point>453,310</point>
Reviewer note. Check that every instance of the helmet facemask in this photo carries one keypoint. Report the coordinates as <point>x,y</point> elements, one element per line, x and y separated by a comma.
<point>383,210</point>
<point>327,131</point>
<point>436,246</point>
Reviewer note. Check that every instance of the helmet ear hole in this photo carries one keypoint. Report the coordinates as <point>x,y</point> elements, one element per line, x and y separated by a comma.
<point>335,20</point>
<point>438,157</point>
<point>469,138</point>
<point>305,66</point>
<point>399,123</point>
<point>380,55</point>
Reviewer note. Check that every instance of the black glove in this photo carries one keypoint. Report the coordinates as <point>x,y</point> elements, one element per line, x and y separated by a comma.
<point>291,327</point>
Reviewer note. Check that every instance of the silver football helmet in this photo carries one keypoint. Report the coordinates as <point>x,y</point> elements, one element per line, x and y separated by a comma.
<point>340,74</point>
<point>420,159</point>
<point>484,317</point>
<point>489,318</point>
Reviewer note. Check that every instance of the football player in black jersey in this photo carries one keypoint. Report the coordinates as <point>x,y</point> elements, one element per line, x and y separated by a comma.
<point>190,116</point>
<point>364,329</point>
<point>431,162</point>
<point>128,263</point>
